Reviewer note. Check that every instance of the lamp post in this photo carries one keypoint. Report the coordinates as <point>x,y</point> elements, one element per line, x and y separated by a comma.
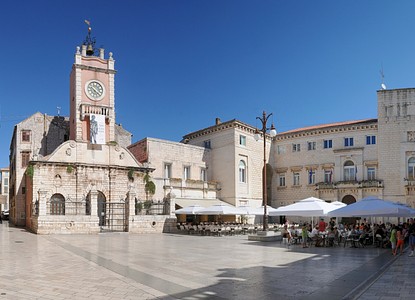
<point>272,133</point>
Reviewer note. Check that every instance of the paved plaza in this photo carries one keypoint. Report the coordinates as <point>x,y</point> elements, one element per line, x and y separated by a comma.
<point>175,266</point>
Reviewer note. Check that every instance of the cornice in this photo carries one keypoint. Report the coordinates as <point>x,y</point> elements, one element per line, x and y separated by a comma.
<point>95,69</point>
<point>327,130</point>
<point>221,127</point>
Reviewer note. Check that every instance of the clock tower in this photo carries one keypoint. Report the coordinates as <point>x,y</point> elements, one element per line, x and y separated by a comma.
<point>92,114</point>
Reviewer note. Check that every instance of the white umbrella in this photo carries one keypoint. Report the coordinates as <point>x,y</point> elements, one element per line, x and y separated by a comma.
<point>338,204</point>
<point>221,209</point>
<point>257,211</point>
<point>372,207</point>
<point>190,210</point>
<point>309,207</point>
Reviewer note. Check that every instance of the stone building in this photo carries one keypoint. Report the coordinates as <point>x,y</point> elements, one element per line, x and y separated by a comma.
<point>75,175</point>
<point>4,189</point>
<point>182,173</point>
<point>344,161</point>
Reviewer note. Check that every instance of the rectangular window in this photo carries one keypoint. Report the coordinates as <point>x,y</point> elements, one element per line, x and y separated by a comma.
<point>327,144</point>
<point>23,190</point>
<point>206,144</point>
<point>203,174</point>
<point>282,180</point>
<point>296,148</point>
<point>371,173</point>
<point>167,170</point>
<point>25,159</point>
<point>311,146</point>
<point>371,140</point>
<point>25,135</point>
<point>5,191</point>
<point>6,181</point>
<point>186,172</point>
<point>349,173</point>
<point>242,140</point>
<point>280,149</point>
<point>311,177</point>
<point>296,178</point>
<point>328,176</point>
<point>348,142</point>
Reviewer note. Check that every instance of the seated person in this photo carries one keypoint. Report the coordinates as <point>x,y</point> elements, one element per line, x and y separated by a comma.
<point>314,235</point>
<point>293,233</point>
<point>286,234</point>
<point>332,235</point>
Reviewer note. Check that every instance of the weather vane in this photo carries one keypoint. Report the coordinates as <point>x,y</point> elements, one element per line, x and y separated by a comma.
<point>89,41</point>
<point>89,25</point>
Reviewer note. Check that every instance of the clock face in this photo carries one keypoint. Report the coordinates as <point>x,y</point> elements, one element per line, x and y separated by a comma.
<point>94,90</point>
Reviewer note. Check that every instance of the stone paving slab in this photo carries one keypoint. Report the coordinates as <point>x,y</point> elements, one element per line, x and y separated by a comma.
<point>168,266</point>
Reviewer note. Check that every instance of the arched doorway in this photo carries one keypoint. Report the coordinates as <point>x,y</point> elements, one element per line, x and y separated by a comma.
<point>349,199</point>
<point>102,208</point>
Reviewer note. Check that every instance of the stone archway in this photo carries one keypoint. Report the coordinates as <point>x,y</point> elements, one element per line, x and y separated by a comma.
<point>349,199</point>
<point>102,208</point>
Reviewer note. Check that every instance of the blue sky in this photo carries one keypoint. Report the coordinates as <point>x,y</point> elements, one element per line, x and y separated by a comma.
<point>183,63</point>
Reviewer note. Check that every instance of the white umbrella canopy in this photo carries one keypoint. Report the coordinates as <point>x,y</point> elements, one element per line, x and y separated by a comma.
<point>309,207</point>
<point>257,211</point>
<point>338,204</point>
<point>221,209</point>
<point>372,207</point>
<point>190,210</point>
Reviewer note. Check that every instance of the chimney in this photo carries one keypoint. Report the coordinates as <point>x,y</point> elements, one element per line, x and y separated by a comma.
<point>217,121</point>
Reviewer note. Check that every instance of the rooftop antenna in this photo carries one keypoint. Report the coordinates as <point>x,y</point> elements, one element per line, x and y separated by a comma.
<point>59,110</point>
<point>382,86</point>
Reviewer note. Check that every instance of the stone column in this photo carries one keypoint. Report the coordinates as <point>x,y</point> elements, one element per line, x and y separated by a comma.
<point>42,202</point>
<point>172,203</point>
<point>94,202</point>
<point>131,202</point>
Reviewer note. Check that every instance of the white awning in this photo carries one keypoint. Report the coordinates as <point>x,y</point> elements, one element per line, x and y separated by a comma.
<point>202,202</point>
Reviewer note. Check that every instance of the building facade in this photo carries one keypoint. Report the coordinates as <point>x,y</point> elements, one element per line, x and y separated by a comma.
<point>75,175</point>
<point>344,161</point>
<point>4,189</point>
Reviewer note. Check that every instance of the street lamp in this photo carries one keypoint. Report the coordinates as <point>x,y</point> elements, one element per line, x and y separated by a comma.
<point>257,135</point>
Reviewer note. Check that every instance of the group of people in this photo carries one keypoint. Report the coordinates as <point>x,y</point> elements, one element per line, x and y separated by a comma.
<point>321,234</point>
<point>326,234</point>
<point>399,234</point>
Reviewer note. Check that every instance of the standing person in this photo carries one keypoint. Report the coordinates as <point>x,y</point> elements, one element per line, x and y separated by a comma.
<point>400,237</point>
<point>304,235</point>
<point>393,239</point>
<point>411,232</point>
<point>322,225</point>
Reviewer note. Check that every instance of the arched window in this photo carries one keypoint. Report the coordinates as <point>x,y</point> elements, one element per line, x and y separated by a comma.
<point>349,171</point>
<point>242,171</point>
<point>411,168</point>
<point>57,205</point>
<point>88,204</point>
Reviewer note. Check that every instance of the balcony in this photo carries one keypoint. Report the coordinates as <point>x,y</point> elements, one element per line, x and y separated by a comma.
<point>351,184</point>
<point>178,183</point>
<point>88,109</point>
